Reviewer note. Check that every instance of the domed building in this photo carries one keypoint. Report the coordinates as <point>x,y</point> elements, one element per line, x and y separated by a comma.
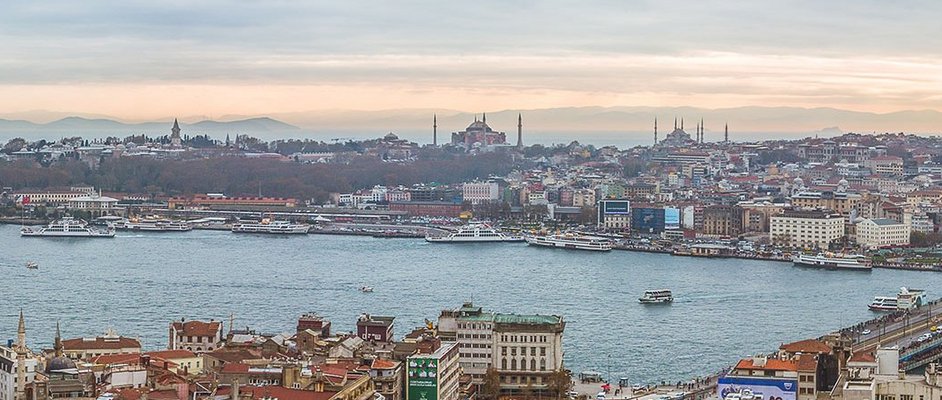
<point>478,133</point>
<point>64,379</point>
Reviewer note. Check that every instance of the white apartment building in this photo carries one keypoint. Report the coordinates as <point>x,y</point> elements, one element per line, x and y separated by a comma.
<point>524,349</point>
<point>806,228</point>
<point>479,192</point>
<point>882,232</point>
<point>8,372</point>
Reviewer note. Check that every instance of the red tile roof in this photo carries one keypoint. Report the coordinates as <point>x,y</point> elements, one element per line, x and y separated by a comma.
<point>807,362</point>
<point>383,364</point>
<point>197,328</point>
<point>101,344</point>
<point>124,358</point>
<point>235,368</point>
<point>806,346</point>
<point>862,357</point>
<point>770,365</point>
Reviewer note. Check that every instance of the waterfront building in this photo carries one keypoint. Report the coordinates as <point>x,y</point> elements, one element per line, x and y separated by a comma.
<point>478,192</point>
<point>428,208</point>
<point>375,328</point>
<point>109,343</point>
<point>433,375</point>
<point>614,214</point>
<point>769,376</point>
<point>477,135</point>
<point>221,201</point>
<point>722,220</point>
<point>809,228</point>
<point>195,336</point>
<point>882,232</point>
<point>52,196</point>
<point>524,349</point>
<point>95,204</point>
<point>648,220</point>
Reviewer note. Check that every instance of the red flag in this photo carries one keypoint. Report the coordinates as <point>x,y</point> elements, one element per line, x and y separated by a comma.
<point>25,200</point>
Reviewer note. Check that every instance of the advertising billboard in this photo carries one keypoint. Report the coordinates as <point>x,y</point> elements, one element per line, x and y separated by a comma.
<point>615,207</point>
<point>423,379</point>
<point>760,388</point>
<point>671,218</point>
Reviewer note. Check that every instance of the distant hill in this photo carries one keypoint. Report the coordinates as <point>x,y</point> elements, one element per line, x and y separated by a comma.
<point>101,127</point>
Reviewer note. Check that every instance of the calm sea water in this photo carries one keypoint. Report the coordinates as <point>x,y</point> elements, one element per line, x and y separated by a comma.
<point>724,309</point>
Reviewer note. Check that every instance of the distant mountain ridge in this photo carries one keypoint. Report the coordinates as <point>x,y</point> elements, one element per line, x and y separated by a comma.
<point>97,127</point>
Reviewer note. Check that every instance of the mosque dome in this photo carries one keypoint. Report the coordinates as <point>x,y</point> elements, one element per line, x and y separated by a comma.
<point>58,363</point>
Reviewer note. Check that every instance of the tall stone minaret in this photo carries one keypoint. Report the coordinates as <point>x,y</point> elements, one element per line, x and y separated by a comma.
<point>519,131</point>
<point>175,134</point>
<point>655,130</point>
<point>21,359</point>
<point>701,130</point>
<point>434,130</point>
<point>726,133</point>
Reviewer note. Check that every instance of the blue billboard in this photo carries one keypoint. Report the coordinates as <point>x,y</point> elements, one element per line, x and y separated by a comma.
<point>671,218</point>
<point>759,388</point>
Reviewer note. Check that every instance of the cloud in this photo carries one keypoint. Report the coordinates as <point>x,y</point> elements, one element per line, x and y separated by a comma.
<point>710,53</point>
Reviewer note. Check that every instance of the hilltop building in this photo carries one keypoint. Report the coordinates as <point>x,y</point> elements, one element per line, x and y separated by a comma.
<point>478,134</point>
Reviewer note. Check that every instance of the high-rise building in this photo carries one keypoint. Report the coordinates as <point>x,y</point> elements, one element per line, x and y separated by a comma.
<point>433,376</point>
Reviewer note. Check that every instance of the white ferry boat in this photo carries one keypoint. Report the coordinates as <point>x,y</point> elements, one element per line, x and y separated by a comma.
<point>833,261</point>
<point>904,300</point>
<point>269,226</point>
<point>569,241</point>
<point>884,303</point>
<point>153,225</point>
<point>474,233</point>
<point>68,227</point>
<point>656,296</point>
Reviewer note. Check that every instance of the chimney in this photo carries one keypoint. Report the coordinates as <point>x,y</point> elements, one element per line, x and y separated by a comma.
<point>902,374</point>
<point>235,390</point>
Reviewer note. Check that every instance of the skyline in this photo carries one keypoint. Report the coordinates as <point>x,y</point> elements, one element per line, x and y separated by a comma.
<point>141,61</point>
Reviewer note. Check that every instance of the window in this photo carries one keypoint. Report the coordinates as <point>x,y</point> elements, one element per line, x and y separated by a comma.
<point>503,363</point>
<point>532,364</point>
<point>513,364</point>
<point>533,351</point>
<point>543,351</point>
<point>542,364</point>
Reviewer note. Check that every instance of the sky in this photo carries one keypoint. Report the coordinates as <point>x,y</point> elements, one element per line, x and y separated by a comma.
<point>138,60</point>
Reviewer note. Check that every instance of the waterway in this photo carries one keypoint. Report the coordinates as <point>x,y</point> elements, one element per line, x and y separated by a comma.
<point>724,309</point>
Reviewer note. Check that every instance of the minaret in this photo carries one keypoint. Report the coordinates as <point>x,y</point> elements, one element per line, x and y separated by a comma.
<point>726,133</point>
<point>484,118</point>
<point>21,359</point>
<point>675,123</point>
<point>681,124</point>
<point>519,131</point>
<point>702,128</point>
<point>655,130</point>
<point>175,134</point>
<point>434,130</point>
<point>58,345</point>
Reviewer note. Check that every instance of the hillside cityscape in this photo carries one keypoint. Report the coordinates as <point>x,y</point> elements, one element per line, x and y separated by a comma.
<point>415,200</point>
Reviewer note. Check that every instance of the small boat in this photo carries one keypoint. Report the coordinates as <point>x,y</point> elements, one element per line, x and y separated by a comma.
<point>656,296</point>
<point>32,265</point>
<point>366,289</point>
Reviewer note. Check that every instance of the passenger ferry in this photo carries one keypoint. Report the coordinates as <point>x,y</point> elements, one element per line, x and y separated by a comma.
<point>656,296</point>
<point>474,233</point>
<point>570,241</point>
<point>269,226</point>
<point>906,299</point>
<point>153,225</point>
<point>884,303</point>
<point>68,227</point>
<point>833,261</point>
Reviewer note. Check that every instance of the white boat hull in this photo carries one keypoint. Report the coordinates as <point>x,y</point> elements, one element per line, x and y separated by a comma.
<point>449,239</point>
<point>831,263</point>
<point>92,234</point>
<point>563,244</point>
<point>273,230</point>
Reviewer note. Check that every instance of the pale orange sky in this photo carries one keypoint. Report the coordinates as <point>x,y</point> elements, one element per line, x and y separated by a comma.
<point>140,61</point>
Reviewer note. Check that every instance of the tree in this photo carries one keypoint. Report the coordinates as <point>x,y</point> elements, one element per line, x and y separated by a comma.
<point>559,383</point>
<point>490,388</point>
<point>14,145</point>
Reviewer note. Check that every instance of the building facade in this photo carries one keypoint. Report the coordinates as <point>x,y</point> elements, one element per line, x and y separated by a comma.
<point>433,376</point>
<point>195,336</point>
<point>882,232</point>
<point>480,192</point>
<point>806,228</point>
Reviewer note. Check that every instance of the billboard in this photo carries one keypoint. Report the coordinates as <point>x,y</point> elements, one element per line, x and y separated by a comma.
<point>423,379</point>
<point>671,218</point>
<point>761,388</point>
<point>615,207</point>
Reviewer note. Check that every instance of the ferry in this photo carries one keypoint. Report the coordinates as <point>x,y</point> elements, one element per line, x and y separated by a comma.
<point>656,296</point>
<point>153,225</point>
<point>904,300</point>
<point>833,261</point>
<point>570,241</point>
<point>474,233</point>
<point>68,227</point>
<point>267,225</point>
<point>884,303</point>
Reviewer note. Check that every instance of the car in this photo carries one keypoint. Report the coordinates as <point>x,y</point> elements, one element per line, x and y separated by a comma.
<point>636,387</point>
<point>924,337</point>
<point>600,396</point>
<point>865,332</point>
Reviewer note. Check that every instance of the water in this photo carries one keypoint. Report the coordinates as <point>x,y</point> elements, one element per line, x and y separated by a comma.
<point>724,309</point>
